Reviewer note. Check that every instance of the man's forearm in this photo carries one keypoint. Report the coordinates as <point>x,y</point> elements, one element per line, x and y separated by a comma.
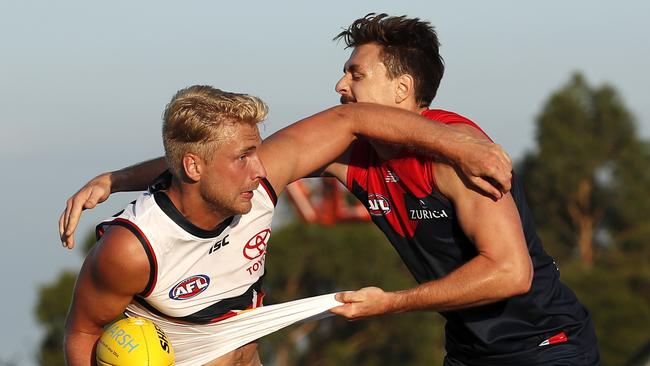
<point>406,128</point>
<point>137,177</point>
<point>480,281</point>
<point>486,165</point>
<point>79,349</point>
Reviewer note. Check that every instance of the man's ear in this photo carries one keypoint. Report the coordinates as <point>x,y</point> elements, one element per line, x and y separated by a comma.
<point>405,88</point>
<point>192,167</point>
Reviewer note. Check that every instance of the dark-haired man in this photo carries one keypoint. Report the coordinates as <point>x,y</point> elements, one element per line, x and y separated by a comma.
<point>479,262</point>
<point>193,247</point>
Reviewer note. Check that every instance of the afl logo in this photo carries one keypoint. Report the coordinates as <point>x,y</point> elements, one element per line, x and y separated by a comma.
<point>378,205</point>
<point>256,245</point>
<point>189,287</point>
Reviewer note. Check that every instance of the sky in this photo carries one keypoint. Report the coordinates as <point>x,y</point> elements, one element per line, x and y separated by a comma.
<point>83,85</point>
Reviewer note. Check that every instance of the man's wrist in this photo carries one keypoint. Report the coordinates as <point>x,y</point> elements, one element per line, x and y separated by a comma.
<point>114,181</point>
<point>454,146</point>
<point>397,302</point>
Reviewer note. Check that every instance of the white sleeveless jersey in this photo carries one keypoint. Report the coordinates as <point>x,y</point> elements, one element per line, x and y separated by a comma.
<point>199,276</point>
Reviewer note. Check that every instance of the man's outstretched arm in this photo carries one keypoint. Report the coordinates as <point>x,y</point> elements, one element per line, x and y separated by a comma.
<point>97,190</point>
<point>314,142</point>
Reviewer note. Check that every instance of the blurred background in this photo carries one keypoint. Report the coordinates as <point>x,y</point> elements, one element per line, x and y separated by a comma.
<point>561,85</point>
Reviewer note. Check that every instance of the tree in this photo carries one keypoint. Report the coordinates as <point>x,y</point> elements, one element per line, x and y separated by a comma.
<point>54,300</point>
<point>628,222</point>
<point>308,260</point>
<point>584,137</point>
<point>52,307</point>
<point>588,184</point>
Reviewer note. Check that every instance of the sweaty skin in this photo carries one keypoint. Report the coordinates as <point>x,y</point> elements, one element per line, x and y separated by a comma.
<point>503,267</point>
<point>485,165</point>
<point>222,188</point>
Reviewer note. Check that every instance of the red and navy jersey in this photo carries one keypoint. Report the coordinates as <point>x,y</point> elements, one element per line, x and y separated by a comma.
<point>420,222</point>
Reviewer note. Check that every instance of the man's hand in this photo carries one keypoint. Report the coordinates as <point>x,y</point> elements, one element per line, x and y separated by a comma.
<point>483,164</point>
<point>368,301</point>
<point>94,192</point>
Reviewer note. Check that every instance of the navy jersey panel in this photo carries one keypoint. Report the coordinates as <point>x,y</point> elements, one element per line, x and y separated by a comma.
<point>402,199</point>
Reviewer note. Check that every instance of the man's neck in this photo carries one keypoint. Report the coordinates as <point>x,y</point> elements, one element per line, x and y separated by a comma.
<point>188,201</point>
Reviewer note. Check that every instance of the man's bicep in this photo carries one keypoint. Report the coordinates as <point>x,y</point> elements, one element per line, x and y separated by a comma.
<point>93,305</point>
<point>280,159</point>
<point>493,226</point>
<point>302,149</point>
<point>111,275</point>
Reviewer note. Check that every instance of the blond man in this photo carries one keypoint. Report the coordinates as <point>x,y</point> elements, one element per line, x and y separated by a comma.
<point>191,250</point>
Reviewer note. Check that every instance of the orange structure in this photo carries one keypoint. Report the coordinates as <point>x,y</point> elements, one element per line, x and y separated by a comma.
<point>325,201</point>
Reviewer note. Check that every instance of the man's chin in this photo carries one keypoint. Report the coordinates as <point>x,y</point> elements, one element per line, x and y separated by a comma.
<point>244,208</point>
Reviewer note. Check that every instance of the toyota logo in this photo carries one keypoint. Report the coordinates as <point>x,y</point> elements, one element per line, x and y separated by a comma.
<point>256,245</point>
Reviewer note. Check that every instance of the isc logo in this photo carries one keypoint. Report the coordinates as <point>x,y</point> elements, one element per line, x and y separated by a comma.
<point>378,205</point>
<point>219,244</point>
<point>189,287</point>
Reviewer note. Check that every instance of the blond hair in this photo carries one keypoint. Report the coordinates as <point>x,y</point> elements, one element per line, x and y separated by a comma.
<point>194,120</point>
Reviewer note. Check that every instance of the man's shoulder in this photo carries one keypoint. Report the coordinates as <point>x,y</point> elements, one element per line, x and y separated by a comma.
<point>451,118</point>
<point>445,116</point>
<point>120,244</point>
<point>118,257</point>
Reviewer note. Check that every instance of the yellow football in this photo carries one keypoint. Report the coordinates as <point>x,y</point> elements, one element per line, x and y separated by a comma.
<point>134,342</point>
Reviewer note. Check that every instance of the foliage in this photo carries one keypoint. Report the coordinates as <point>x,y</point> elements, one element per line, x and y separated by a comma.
<point>51,310</point>
<point>586,141</point>
<point>631,202</point>
<point>54,300</point>
<point>619,299</point>
<point>308,260</point>
<point>588,184</point>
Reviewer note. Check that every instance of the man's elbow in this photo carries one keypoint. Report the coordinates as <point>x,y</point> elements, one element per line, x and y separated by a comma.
<point>524,284</point>
<point>519,278</point>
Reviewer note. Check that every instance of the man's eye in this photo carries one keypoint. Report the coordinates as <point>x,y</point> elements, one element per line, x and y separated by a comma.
<point>243,157</point>
<point>356,76</point>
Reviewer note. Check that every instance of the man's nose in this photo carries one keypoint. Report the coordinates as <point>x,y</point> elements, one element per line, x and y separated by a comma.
<point>341,86</point>
<point>260,171</point>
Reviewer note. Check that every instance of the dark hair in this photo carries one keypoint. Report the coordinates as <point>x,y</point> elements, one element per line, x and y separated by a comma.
<point>410,46</point>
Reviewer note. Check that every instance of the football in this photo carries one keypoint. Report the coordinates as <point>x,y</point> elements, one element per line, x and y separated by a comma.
<point>134,342</point>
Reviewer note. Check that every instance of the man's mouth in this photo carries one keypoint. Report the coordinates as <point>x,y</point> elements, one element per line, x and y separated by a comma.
<point>249,194</point>
<point>345,100</point>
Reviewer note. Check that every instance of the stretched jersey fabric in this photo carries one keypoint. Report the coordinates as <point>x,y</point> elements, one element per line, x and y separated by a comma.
<point>202,343</point>
<point>204,287</point>
<point>400,194</point>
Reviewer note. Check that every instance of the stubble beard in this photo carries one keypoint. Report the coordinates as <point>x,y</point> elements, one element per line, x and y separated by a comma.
<point>220,205</point>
